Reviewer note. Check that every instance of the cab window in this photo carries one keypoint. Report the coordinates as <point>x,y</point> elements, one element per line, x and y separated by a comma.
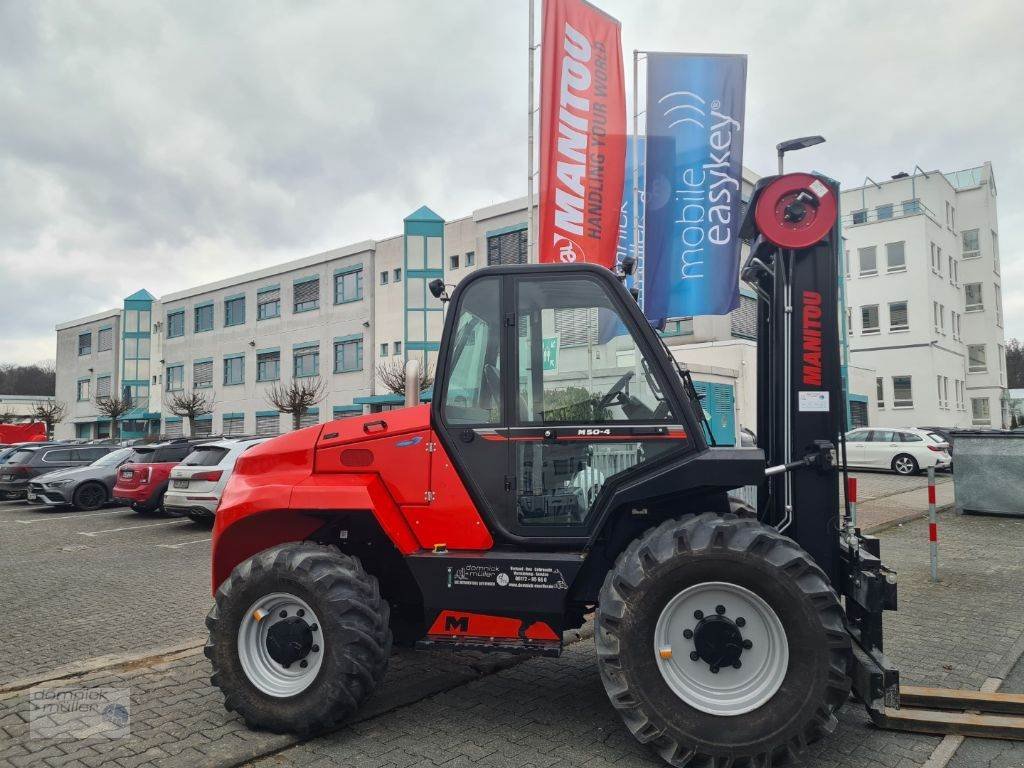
<point>473,391</point>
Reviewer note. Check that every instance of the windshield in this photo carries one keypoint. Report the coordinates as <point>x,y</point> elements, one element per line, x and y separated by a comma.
<point>936,437</point>
<point>113,459</point>
<point>206,456</point>
<point>141,456</point>
<point>20,456</point>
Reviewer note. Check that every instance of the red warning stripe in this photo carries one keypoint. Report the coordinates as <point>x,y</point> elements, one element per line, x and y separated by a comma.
<point>931,494</point>
<point>851,489</point>
<point>933,531</point>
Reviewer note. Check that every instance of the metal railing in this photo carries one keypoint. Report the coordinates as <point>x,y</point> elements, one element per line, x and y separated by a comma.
<point>887,211</point>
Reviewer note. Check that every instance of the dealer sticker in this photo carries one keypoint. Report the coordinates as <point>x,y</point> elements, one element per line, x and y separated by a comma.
<point>813,402</point>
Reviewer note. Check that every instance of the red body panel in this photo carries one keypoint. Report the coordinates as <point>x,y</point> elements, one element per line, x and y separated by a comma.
<point>146,482</point>
<point>485,626</point>
<point>35,432</point>
<point>381,464</point>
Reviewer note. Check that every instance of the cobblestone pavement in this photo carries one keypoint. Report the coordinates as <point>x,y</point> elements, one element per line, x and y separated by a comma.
<point>885,498</point>
<point>76,585</point>
<point>445,709</point>
<point>993,753</point>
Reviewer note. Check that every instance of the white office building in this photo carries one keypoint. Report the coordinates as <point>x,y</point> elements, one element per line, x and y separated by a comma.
<point>924,300</point>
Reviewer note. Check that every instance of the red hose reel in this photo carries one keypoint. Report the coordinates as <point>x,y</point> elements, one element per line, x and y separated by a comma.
<point>796,210</point>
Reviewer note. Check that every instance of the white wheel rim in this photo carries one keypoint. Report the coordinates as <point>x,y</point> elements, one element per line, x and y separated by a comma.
<point>730,691</point>
<point>269,676</point>
<point>904,465</point>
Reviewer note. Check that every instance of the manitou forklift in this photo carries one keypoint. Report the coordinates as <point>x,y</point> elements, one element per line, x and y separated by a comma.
<point>563,468</point>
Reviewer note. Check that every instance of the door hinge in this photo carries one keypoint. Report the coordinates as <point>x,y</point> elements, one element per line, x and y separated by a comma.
<point>431,447</point>
<point>428,496</point>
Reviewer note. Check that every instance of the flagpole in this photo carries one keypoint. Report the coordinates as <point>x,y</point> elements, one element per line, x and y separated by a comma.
<point>639,279</point>
<point>530,233</point>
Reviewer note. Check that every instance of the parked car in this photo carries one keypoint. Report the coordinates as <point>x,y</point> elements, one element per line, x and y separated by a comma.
<point>142,480</point>
<point>32,460</point>
<point>904,450</point>
<point>86,488</point>
<point>197,483</point>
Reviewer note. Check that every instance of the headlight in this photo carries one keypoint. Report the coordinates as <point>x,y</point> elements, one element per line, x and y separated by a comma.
<point>57,483</point>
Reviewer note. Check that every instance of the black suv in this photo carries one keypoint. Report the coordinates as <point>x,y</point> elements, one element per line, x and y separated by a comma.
<point>33,460</point>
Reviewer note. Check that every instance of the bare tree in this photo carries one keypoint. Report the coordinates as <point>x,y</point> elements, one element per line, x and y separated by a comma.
<point>297,397</point>
<point>114,407</point>
<point>189,405</point>
<point>392,375</point>
<point>50,412</point>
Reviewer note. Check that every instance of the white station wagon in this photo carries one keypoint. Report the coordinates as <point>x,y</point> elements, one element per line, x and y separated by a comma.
<point>904,450</point>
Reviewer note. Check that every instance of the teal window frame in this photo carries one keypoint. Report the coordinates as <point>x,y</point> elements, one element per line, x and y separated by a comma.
<point>109,379</point>
<point>109,331</point>
<point>384,349</point>
<point>180,369</point>
<point>262,366</point>
<point>196,384</point>
<point>470,258</point>
<point>174,329</point>
<point>78,390</point>
<point>230,362</point>
<point>86,348</point>
<point>195,317</point>
<point>234,311</point>
<point>342,286</point>
<point>305,306</point>
<point>268,310</point>
<point>340,347</point>
<point>301,355</point>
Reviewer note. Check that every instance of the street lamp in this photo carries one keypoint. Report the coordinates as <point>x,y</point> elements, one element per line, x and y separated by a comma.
<point>793,144</point>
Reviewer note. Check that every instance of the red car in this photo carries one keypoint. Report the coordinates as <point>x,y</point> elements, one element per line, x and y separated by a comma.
<point>143,479</point>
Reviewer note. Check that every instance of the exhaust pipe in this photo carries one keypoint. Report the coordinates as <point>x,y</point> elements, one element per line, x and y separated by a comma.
<point>412,382</point>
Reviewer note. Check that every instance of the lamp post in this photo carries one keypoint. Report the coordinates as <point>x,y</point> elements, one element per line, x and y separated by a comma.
<point>793,144</point>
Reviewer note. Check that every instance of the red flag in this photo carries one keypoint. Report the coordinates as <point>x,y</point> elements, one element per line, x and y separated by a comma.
<point>582,134</point>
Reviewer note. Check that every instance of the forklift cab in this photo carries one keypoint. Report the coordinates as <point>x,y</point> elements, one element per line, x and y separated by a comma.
<point>552,385</point>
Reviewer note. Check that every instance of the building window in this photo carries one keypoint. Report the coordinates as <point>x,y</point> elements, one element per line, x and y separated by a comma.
<point>1001,354</point>
<point>233,424</point>
<point>268,303</point>
<point>859,217</point>
<point>896,257</point>
<point>175,378</point>
<point>937,266</point>
<point>972,297</point>
<point>950,216</point>
<point>85,344</point>
<point>175,324</point>
<point>880,392</point>
<point>970,243</point>
<point>309,418</point>
<point>958,386</point>
<point>954,324</point>
<point>980,413</point>
<point>234,311</point>
<point>172,427</point>
<point>204,318</point>
<point>396,275</point>
<point>911,207</point>
<point>348,285</point>
<point>977,361</point>
<point>84,391</point>
<point>105,340</point>
<point>999,305</point>
<point>868,260</point>
<point>995,252</point>
<point>470,258</point>
<point>102,386</point>
<point>306,295</point>
<point>884,211</point>
<point>902,392</point>
<point>453,261</point>
<point>384,277</point>
<point>234,370</point>
<point>939,312</point>
<point>268,366</point>
<point>348,355</point>
<point>743,319</point>
<point>202,374</point>
<point>899,320</point>
<point>938,387</point>
<point>384,349</point>
<point>268,424</point>
<point>306,362</point>
<point>398,347</point>
<point>507,248</point>
<point>869,319</point>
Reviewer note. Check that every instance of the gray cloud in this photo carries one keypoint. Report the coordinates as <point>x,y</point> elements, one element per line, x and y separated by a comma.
<point>163,144</point>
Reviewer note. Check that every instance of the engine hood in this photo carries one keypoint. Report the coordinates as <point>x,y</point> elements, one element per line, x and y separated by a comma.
<point>373,425</point>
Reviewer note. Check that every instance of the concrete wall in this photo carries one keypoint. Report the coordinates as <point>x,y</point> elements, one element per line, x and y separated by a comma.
<point>71,367</point>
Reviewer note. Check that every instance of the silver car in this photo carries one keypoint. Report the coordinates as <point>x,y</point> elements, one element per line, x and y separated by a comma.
<point>197,482</point>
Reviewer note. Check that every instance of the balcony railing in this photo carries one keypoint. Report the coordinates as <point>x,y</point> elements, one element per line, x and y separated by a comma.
<point>887,211</point>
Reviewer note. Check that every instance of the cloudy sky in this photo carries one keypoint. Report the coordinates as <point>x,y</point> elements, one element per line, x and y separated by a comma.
<point>164,144</point>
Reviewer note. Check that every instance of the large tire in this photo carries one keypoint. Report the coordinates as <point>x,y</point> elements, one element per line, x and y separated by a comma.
<point>699,552</point>
<point>89,497</point>
<point>353,636</point>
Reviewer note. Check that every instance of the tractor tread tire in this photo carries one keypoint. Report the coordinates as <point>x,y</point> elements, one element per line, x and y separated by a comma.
<point>682,735</point>
<point>357,636</point>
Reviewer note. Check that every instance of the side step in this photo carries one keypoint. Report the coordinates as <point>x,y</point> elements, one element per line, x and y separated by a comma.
<point>489,645</point>
<point>966,713</point>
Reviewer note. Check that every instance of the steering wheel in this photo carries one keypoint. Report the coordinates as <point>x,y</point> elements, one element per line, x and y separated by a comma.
<point>615,393</point>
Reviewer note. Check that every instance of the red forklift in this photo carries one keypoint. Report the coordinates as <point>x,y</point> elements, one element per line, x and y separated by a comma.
<point>564,469</point>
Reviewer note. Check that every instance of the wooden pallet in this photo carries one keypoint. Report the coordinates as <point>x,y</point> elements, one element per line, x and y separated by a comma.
<point>967,713</point>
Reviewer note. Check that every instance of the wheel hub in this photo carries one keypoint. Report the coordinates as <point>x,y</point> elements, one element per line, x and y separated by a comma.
<point>718,641</point>
<point>289,640</point>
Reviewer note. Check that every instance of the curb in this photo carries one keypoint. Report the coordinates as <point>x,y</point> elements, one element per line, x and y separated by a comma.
<point>906,519</point>
<point>120,662</point>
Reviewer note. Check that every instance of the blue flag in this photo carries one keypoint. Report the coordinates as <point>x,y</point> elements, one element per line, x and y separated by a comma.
<point>695,119</point>
<point>631,243</point>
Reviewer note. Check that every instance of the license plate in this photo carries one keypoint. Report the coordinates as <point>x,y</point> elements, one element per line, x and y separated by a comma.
<point>181,483</point>
<point>30,495</point>
<point>6,477</point>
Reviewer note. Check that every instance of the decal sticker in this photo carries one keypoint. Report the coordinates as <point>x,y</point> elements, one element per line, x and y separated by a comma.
<point>411,441</point>
<point>813,402</point>
<point>508,577</point>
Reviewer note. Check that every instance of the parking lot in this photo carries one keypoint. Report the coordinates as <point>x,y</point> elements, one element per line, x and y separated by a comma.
<point>115,599</point>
